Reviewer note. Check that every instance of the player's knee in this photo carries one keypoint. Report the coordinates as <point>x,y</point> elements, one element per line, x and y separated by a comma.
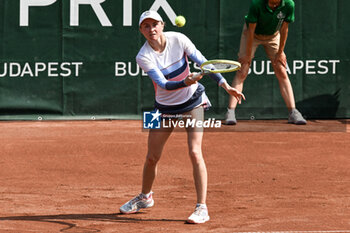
<point>196,155</point>
<point>242,73</point>
<point>281,73</point>
<point>240,77</point>
<point>279,68</point>
<point>152,160</point>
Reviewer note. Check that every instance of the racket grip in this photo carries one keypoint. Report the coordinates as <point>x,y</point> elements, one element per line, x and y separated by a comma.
<point>197,75</point>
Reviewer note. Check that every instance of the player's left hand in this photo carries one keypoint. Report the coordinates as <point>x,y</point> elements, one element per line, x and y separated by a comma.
<point>234,92</point>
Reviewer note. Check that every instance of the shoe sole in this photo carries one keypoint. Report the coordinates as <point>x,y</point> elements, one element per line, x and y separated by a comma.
<point>194,222</point>
<point>132,212</point>
<point>230,123</point>
<point>297,123</point>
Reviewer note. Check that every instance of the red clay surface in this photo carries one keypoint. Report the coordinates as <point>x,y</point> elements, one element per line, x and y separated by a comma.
<point>72,176</point>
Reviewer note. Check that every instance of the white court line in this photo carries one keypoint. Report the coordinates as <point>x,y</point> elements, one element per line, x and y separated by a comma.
<point>344,231</point>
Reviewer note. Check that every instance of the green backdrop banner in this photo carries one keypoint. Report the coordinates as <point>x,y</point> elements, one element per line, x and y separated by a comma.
<point>76,58</point>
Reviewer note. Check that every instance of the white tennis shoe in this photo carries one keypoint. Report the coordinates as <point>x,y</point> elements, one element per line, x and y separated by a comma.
<point>137,203</point>
<point>200,215</point>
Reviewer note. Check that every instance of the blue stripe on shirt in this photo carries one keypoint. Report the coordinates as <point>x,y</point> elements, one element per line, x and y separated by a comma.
<point>177,72</point>
<point>175,66</point>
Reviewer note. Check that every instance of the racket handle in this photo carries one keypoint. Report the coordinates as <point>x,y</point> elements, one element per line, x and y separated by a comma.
<point>197,75</point>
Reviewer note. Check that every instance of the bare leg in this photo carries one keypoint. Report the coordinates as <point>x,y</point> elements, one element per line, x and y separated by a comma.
<point>199,169</point>
<point>156,141</point>
<point>237,83</point>
<point>285,85</point>
<point>194,139</point>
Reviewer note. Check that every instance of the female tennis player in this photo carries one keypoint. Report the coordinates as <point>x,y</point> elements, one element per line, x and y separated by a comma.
<point>164,57</point>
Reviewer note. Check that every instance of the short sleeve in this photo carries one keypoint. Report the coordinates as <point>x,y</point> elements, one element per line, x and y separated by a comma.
<point>290,12</point>
<point>253,13</point>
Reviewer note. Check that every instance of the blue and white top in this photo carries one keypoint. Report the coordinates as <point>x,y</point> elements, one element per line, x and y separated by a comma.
<point>168,71</point>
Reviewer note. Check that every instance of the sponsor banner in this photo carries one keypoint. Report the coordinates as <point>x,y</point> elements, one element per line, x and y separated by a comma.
<point>131,69</point>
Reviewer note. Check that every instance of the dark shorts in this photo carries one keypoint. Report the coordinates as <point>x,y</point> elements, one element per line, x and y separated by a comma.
<point>190,104</point>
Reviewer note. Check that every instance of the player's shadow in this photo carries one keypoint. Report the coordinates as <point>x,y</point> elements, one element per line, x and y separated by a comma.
<point>63,219</point>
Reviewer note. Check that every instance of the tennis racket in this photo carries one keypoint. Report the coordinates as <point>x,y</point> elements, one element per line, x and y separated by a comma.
<point>222,66</point>
<point>218,66</point>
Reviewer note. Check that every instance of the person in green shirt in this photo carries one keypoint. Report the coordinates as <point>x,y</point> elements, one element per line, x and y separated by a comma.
<point>266,24</point>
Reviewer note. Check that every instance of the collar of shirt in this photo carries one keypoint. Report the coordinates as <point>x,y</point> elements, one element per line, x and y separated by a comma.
<point>270,10</point>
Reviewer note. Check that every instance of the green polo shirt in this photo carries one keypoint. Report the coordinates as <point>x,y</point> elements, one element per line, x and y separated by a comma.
<point>269,21</point>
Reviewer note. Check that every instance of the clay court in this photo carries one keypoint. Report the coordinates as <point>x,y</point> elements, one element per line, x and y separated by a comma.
<point>264,176</point>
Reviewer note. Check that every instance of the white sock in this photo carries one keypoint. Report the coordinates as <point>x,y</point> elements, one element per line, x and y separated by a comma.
<point>147,195</point>
<point>204,206</point>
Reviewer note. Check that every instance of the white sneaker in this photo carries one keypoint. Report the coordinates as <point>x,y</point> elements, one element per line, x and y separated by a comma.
<point>200,215</point>
<point>137,203</point>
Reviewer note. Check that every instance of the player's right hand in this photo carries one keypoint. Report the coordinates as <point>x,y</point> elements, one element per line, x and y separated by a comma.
<point>192,78</point>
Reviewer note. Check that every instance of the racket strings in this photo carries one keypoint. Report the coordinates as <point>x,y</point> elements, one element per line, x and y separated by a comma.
<point>224,66</point>
<point>220,66</point>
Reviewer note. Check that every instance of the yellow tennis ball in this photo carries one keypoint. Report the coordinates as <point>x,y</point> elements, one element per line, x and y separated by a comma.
<point>180,21</point>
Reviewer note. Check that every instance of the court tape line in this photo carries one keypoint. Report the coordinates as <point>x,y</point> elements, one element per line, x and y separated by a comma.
<point>344,231</point>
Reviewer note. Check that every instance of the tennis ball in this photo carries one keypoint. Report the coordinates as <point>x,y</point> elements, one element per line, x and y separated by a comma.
<point>180,21</point>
